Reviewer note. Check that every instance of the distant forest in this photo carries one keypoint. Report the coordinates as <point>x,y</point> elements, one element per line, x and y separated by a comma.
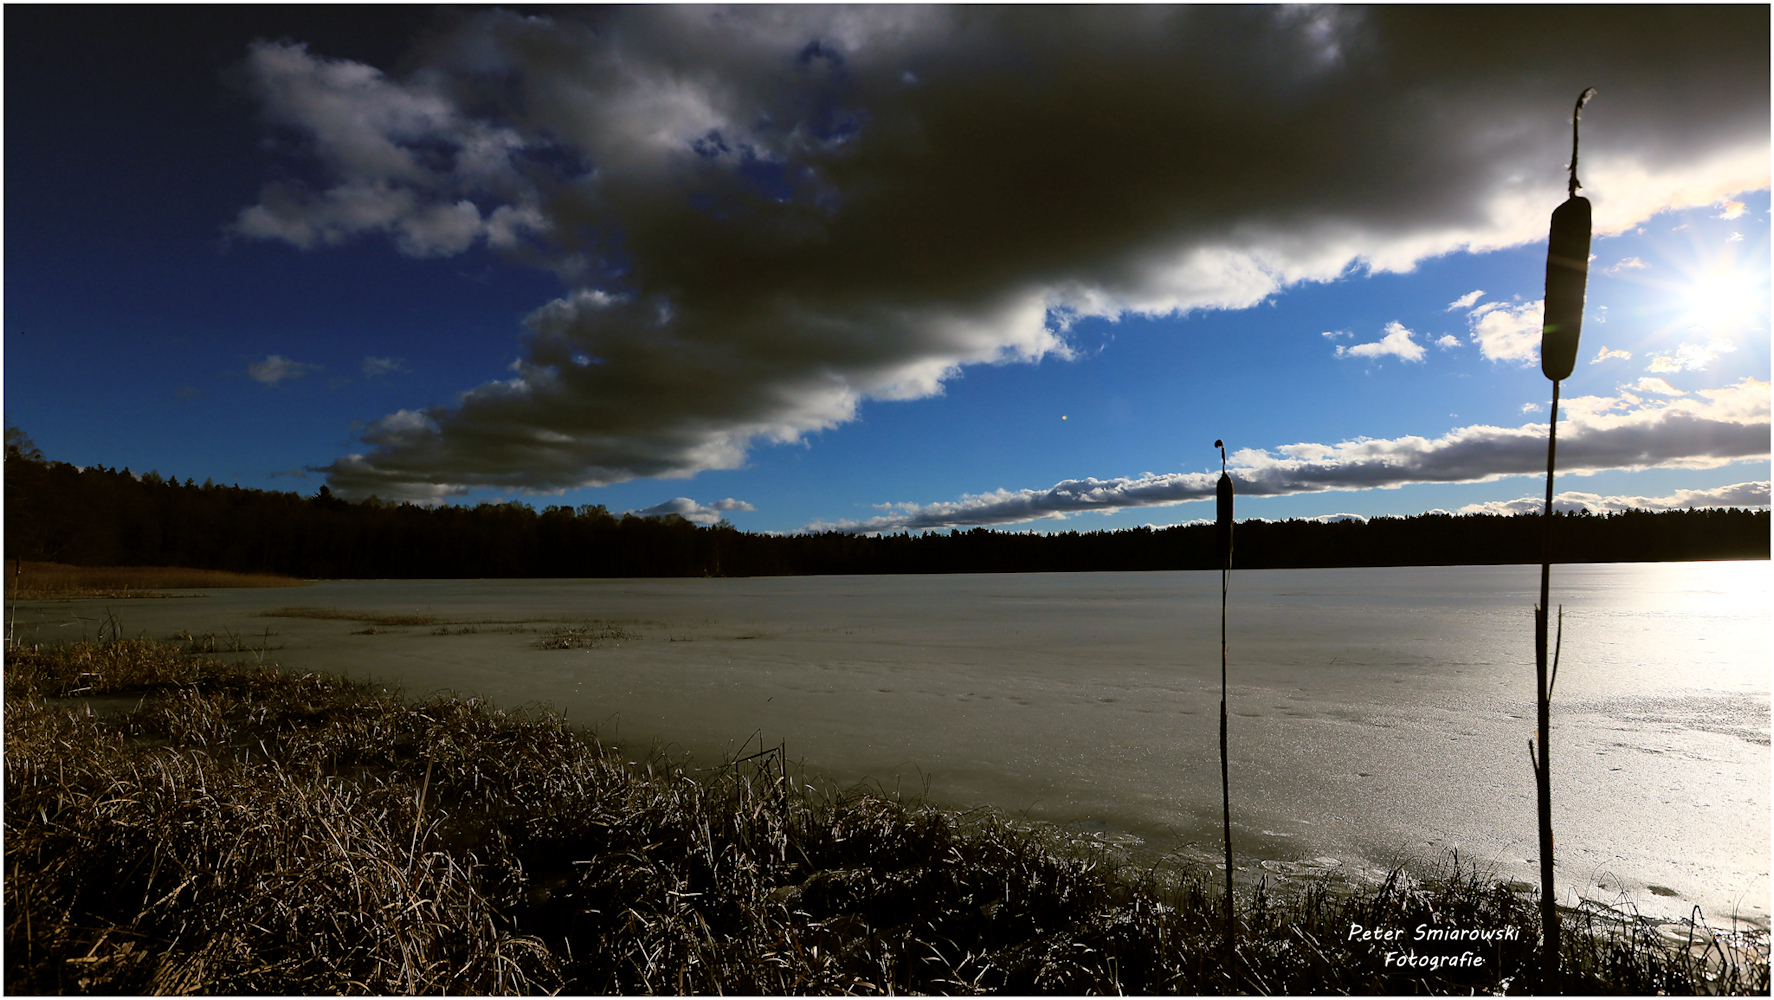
<point>104,517</point>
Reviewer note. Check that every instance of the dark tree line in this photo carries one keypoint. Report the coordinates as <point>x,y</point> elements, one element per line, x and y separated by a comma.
<point>98,516</point>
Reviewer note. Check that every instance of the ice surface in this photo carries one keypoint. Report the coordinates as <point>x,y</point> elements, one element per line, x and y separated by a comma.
<point>1377,715</point>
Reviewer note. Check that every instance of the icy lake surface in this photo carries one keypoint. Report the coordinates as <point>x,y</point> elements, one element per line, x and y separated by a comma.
<point>1378,715</point>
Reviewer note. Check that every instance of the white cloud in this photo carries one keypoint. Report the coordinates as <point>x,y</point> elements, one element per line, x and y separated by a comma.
<point>419,229</point>
<point>277,368</point>
<point>1531,407</point>
<point>1625,264</point>
<point>1447,342</point>
<point>403,155</point>
<point>1732,210</point>
<point>817,232</point>
<point>375,367</point>
<point>1509,333</point>
<point>692,511</point>
<point>1739,495</point>
<point>1707,429</point>
<point>1656,385</point>
<point>1466,301</point>
<point>1691,357</point>
<point>1608,352</point>
<point>1397,342</point>
<point>1334,334</point>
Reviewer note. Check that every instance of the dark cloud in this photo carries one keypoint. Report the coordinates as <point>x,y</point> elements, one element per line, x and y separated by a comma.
<point>1704,430</point>
<point>768,214</point>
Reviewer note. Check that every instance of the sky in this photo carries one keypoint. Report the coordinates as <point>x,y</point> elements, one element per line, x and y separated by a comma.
<point>890,268</point>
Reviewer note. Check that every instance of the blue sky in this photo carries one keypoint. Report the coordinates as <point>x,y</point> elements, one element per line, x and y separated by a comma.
<point>889,268</point>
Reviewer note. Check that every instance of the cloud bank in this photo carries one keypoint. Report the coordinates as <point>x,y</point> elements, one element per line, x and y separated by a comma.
<point>1701,430</point>
<point>1735,495</point>
<point>766,215</point>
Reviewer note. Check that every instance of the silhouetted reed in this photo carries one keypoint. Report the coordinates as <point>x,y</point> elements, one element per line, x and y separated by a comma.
<point>1567,276</point>
<point>1223,527</point>
<point>196,826</point>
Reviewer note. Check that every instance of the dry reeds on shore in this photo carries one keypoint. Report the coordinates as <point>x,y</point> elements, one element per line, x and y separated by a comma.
<point>189,825</point>
<point>29,580</point>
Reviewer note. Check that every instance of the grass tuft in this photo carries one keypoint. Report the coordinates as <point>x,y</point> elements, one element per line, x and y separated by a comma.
<point>583,636</point>
<point>184,824</point>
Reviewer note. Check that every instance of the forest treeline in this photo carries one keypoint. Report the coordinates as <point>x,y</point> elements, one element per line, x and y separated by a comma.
<point>96,516</point>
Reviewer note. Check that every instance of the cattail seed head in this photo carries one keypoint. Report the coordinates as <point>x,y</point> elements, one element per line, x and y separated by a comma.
<point>1567,279</point>
<point>1223,491</point>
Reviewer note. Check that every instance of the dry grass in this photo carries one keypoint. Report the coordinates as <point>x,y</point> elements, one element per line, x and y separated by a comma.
<point>244,830</point>
<point>48,581</point>
<point>224,838</point>
<point>584,636</point>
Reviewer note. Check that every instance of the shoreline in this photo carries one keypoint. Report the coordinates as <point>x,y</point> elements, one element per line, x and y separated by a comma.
<point>1290,874</point>
<point>741,881</point>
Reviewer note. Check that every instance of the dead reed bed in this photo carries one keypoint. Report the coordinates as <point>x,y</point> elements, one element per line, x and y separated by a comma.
<point>175,823</point>
<point>48,580</point>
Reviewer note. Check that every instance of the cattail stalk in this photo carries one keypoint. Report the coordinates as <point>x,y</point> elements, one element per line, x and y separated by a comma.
<point>1223,523</point>
<point>1543,726</point>
<point>1567,275</point>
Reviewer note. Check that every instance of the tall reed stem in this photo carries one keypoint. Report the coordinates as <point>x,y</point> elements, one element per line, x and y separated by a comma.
<point>1225,779</point>
<point>1543,717</point>
<point>1223,523</point>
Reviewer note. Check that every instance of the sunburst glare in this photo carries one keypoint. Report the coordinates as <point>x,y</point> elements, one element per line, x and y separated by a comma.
<point>1725,299</point>
<point>1697,293</point>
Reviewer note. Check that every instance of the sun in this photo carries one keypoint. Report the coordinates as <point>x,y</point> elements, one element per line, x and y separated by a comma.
<point>1695,284</point>
<point>1722,299</point>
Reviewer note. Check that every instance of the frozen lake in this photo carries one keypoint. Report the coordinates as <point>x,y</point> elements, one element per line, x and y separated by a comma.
<point>1378,715</point>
